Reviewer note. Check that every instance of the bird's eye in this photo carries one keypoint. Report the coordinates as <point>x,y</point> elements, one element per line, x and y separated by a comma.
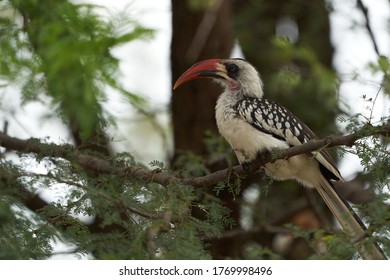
<point>232,70</point>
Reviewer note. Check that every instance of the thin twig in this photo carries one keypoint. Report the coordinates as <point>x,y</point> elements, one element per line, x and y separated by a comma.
<point>368,26</point>
<point>374,102</point>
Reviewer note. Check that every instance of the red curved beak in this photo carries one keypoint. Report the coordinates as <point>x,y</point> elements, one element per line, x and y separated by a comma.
<point>210,68</point>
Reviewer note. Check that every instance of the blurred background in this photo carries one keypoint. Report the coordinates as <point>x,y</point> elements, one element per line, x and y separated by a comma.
<point>325,60</point>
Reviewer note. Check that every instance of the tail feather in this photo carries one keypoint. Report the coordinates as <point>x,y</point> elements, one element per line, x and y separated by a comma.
<point>349,220</point>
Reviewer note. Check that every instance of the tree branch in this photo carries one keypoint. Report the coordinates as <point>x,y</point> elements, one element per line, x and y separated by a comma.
<point>329,141</point>
<point>164,178</point>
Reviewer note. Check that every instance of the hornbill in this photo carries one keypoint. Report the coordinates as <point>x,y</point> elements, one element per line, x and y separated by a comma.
<point>251,124</point>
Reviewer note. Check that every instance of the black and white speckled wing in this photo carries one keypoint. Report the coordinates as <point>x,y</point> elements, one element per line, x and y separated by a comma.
<point>271,118</point>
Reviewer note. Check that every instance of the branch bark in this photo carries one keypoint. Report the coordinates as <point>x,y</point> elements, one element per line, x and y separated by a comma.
<point>164,178</point>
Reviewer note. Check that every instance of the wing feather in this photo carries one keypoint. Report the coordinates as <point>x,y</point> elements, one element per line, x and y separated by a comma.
<point>273,119</point>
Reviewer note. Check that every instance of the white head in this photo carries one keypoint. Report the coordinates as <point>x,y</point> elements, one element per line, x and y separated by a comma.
<point>236,75</point>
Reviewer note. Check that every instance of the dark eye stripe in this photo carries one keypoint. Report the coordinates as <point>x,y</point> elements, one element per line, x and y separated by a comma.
<point>232,70</point>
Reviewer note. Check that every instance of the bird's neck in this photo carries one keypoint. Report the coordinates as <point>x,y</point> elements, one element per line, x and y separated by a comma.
<point>230,97</point>
<point>227,103</point>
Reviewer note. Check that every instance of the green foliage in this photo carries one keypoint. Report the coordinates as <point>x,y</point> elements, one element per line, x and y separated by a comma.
<point>19,235</point>
<point>338,248</point>
<point>373,152</point>
<point>63,50</point>
<point>382,66</point>
<point>253,251</point>
<point>303,71</point>
<point>59,53</point>
<point>191,165</point>
<point>337,244</point>
<point>218,148</point>
<point>129,210</point>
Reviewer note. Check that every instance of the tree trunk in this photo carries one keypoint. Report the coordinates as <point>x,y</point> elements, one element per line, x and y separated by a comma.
<point>197,34</point>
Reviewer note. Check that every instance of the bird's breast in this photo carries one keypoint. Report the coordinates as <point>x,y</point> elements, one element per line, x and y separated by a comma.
<point>245,140</point>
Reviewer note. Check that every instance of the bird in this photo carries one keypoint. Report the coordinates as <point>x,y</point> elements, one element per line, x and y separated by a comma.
<point>253,125</point>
